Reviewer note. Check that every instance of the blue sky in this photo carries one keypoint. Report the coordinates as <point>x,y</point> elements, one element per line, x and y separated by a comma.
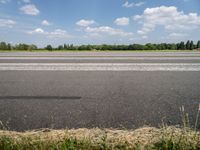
<point>56,22</point>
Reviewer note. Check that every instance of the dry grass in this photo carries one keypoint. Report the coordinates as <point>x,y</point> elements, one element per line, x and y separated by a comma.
<point>143,138</point>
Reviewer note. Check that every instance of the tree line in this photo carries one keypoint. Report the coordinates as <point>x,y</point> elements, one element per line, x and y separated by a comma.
<point>189,45</point>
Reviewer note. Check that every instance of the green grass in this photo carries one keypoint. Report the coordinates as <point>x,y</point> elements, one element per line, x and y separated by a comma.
<point>41,50</point>
<point>6,51</point>
<point>165,138</point>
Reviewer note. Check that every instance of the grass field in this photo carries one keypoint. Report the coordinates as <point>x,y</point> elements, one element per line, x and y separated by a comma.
<point>41,50</point>
<point>165,138</point>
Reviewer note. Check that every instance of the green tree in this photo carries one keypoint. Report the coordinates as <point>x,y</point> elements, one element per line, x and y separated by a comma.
<point>104,47</point>
<point>60,47</point>
<point>32,47</point>
<point>72,47</point>
<point>191,45</point>
<point>198,44</point>
<point>21,46</point>
<point>150,46</point>
<point>3,46</point>
<point>188,45</point>
<point>9,46</point>
<point>173,47</point>
<point>49,48</point>
<point>66,47</point>
<point>182,45</point>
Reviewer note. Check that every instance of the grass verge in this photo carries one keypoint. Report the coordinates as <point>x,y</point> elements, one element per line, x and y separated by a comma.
<point>172,138</point>
<point>42,50</point>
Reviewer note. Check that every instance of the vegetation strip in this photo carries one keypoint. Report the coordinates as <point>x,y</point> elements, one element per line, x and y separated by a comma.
<point>143,138</point>
<point>189,45</point>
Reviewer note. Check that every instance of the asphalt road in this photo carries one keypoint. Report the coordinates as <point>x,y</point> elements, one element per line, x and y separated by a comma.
<point>104,89</point>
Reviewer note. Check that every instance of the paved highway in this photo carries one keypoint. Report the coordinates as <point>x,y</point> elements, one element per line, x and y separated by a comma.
<point>97,89</point>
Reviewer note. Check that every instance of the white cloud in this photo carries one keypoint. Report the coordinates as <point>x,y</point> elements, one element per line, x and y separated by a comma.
<point>58,33</point>
<point>177,35</point>
<point>7,23</point>
<point>106,30</point>
<point>30,9</point>
<point>122,21</point>
<point>45,23</point>
<point>4,1</point>
<point>129,5</point>
<point>169,18</point>
<point>37,31</point>
<point>144,37</point>
<point>26,1</point>
<point>85,23</point>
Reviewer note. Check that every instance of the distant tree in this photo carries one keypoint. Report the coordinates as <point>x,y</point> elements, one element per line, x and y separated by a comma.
<point>104,47</point>
<point>3,46</point>
<point>137,47</point>
<point>72,47</point>
<point>165,46</point>
<point>89,47</point>
<point>82,47</point>
<point>49,48</point>
<point>173,47</point>
<point>9,46</point>
<point>150,46</point>
<point>191,45</point>
<point>188,45</point>
<point>178,46</point>
<point>161,46</point>
<point>66,47</point>
<point>60,47</point>
<point>32,47</point>
<point>85,47</point>
<point>198,44</point>
<point>21,46</point>
<point>182,45</point>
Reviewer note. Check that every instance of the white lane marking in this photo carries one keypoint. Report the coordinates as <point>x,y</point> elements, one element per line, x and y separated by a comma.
<point>101,66</point>
<point>100,58</point>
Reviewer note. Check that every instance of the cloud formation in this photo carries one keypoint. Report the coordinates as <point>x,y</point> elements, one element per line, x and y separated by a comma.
<point>57,33</point>
<point>130,5</point>
<point>26,1</point>
<point>45,23</point>
<point>177,35</point>
<point>30,9</point>
<point>169,18</point>
<point>106,30</point>
<point>7,23</point>
<point>85,23</point>
<point>122,21</point>
<point>4,1</point>
<point>37,31</point>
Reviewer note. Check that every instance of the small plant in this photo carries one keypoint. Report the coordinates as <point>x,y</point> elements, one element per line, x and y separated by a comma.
<point>197,118</point>
<point>3,126</point>
<point>185,118</point>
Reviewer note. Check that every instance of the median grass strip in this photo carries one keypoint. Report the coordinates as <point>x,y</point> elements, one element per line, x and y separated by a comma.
<point>100,139</point>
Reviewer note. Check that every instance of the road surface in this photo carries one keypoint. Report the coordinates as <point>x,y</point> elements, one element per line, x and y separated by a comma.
<point>97,89</point>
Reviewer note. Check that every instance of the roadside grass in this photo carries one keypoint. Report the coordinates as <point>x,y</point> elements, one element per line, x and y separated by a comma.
<point>146,138</point>
<point>167,138</point>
